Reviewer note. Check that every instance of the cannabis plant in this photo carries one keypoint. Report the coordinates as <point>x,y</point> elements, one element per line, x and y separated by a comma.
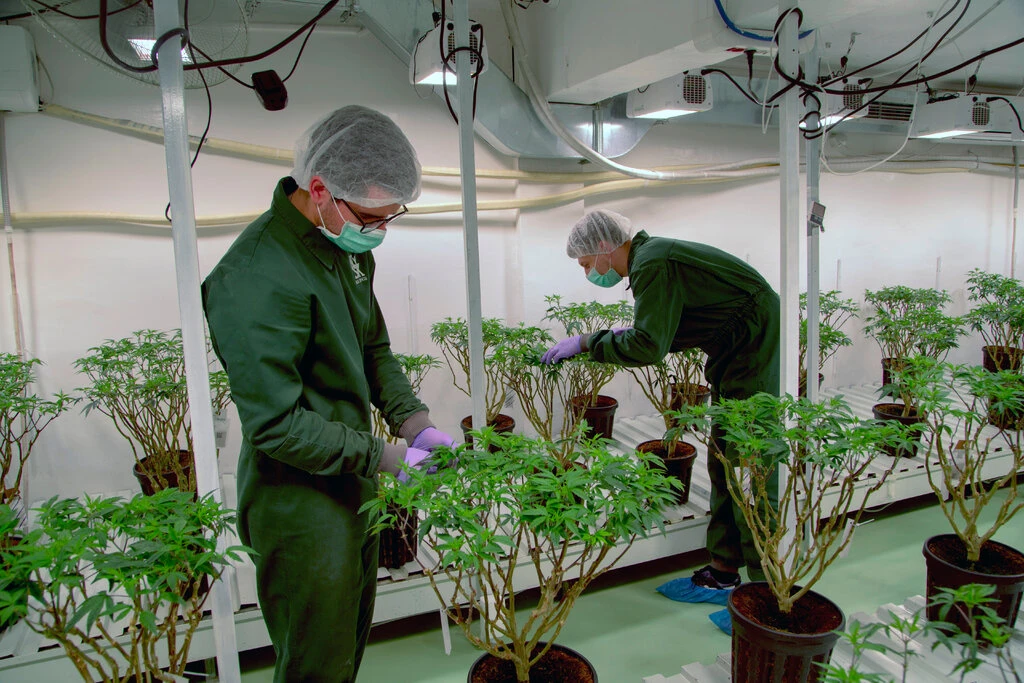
<point>452,335</point>
<point>834,312</point>
<point>23,417</point>
<point>822,449</point>
<point>959,403</point>
<point>587,318</point>
<point>415,367</point>
<point>672,381</point>
<point>118,583</point>
<point>998,314</point>
<point>506,512</point>
<point>139,383</point>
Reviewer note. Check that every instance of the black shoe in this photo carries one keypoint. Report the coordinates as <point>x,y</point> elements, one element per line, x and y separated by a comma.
<point>709,577</point>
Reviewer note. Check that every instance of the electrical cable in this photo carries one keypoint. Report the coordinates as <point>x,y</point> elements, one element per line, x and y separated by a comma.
<point>446,59</point>
<point>215,63</point>
<point>1010,105</point>
<point>57,10</point>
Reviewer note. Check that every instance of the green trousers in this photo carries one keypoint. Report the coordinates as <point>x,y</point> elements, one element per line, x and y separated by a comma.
<point>745,362</point>
<point>316,569</point>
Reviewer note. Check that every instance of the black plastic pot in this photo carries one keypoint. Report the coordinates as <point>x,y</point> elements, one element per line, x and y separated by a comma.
<point>558,665</point>
<point>762,653</point>
<point>894,412</point>
<point>503,424</point>
<point>600,417</point>
<point>996,358</point>
<point>397,544</point>
<point>678,464</point>
<point>151,481</point>
<point>1000,565</point>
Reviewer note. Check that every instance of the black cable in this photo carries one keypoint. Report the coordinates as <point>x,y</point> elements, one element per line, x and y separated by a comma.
<point>705,72</point>
<point>299,56</point>
<point>57,10</point>
<point>446,59</point>
<point>210,64</point>
<point>222,69</point>
<point>1010,105</point>
<point>159,42</point>
<point>900,51</point>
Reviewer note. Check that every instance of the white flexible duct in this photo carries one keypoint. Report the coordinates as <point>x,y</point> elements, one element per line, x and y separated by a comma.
<point>104,219</point>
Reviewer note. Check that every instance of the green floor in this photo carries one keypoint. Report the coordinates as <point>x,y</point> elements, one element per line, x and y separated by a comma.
<point>628,630</point>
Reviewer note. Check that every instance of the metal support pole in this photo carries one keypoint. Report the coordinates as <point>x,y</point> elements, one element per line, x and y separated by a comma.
<point>186,259</point>
<point>471,241</point>
<point>812,150</point>
<point>789,182</point>
<point>5,197</point>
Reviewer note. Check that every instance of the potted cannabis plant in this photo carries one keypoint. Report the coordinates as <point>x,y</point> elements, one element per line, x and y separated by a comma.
<point>586,318</point>
<point>834,312</point>
<point>452,336</point>
<point>139,383</point>
<point>397,543</point>
<point>503,512</point>
<point>669,384</point>
<point>970,462</point>
<point>821,451</point>
<point>907,323</point>
<point>23,417</point>
<point>115,582</point>
<point>998,314</point>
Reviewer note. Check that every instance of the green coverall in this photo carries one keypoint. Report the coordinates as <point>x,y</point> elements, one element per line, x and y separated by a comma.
<point>296,325</point>
<point>692,295</point>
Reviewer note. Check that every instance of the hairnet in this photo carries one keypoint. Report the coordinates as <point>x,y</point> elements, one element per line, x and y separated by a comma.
<point>596,227</point>
<point>361,155</point>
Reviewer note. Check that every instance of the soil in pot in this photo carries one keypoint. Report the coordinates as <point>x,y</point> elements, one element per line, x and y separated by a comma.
<point>559,665</point>
<point>894,411</point>
<point>999,565</point>
<point>1011,420</point>
<point>781,648</point>
<point>151,481</point>
<point>678,464</point>
<point>600,417</point>
<point>996,358</point>
<point>503,424</point>
<point>398,543</point>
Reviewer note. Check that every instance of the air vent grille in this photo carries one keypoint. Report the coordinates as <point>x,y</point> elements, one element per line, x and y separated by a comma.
<point>474,43</point>
<point>980,114</point>
<point>890,111</point>
<point>853,97</point>
<point>695,89</point>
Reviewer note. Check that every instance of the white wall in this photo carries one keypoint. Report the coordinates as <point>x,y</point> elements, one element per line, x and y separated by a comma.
<point>81,284</point>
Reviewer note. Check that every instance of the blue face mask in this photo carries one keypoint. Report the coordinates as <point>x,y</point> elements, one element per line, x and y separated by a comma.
<point>352,239</point>
<point>607,279</point>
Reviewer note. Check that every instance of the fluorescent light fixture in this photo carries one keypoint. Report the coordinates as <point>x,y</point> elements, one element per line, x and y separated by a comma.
<point>144,49</point>
<point>946,134</point>
<point>427,66</point>
<point>952,118</point>
<point>676,96</point>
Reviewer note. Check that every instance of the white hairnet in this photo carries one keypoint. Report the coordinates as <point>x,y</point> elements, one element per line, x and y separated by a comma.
<point>362,156</point>
<point>596,227</point>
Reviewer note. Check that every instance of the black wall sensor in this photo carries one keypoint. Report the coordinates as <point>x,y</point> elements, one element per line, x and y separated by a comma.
<point>270,90</point>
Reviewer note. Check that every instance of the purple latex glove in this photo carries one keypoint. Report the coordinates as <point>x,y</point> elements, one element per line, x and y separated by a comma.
<point>430,438</point>
<point>414,457</point>
<point>567,348</point>
<point>620,330</point>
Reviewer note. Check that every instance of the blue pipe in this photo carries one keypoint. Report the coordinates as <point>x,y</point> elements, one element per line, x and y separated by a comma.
<point>747,34</point>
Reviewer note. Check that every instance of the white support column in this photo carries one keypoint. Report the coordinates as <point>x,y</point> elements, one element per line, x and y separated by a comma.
<point>789,185</point>
<point>471,241</point>
<point>186,259</point>
<point>812,151</point>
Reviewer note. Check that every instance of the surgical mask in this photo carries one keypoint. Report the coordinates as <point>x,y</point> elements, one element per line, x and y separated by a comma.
<point>351,239</point>
<point>608,279</point>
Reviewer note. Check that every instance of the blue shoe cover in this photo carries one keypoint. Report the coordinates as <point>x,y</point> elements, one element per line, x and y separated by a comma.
<point>722,620</point>
<point>683,590</point>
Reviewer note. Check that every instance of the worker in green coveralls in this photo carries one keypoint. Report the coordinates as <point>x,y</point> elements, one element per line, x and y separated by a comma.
<point>294,320</point>
<point>687,295</point>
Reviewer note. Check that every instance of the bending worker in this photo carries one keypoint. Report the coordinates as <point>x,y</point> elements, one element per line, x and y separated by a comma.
<point>687,295</point>
<point>295,322</point>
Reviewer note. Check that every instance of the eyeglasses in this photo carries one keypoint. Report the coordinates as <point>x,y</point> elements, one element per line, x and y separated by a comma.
<point>376,223</point>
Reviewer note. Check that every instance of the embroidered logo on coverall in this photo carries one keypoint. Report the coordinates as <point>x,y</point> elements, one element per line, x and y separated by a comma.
<point>357,271</point>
